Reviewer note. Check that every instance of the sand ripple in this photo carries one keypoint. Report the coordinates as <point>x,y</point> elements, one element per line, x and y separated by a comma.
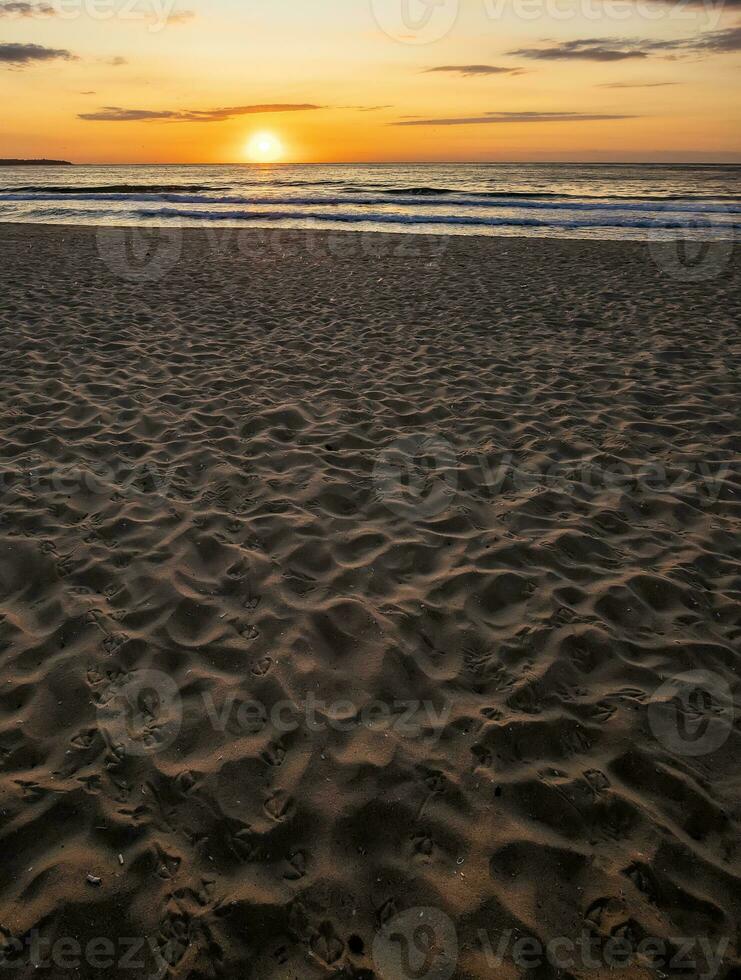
<point>201,520</point>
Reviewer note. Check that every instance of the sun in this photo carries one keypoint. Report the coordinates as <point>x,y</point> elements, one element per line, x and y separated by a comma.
<point>264,147</point>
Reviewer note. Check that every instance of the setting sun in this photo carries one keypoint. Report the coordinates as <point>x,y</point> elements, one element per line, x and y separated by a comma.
<point>264,147</point>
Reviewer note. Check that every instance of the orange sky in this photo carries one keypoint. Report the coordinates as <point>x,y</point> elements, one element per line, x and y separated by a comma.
<point>383,79</point>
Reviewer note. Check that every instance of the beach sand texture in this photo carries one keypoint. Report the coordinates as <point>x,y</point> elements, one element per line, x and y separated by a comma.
<point>207,512</point>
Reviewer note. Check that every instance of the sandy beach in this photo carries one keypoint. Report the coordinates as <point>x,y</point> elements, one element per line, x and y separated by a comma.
<point>370,604</point>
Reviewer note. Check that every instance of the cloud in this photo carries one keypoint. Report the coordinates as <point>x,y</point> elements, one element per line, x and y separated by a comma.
<point>594,49</point>
<point>365,108</point>
<point>513,117</point>
<point>116,62</point>
<point>619,49</point>
<point>635,84</point>
<point>40,8</point>
<point>181,17</point>
<point>711,5</point>
<point>470,71</point>
<point>719,42</point>
<point>117,114</point>
<point>20,8</point>
<point>23,54</point>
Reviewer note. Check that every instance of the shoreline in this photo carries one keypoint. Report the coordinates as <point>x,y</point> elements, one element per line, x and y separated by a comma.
<point>629,235</point>
<point>725,248</point>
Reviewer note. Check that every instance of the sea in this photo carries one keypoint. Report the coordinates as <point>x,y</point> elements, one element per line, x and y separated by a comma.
<point>540,200</point>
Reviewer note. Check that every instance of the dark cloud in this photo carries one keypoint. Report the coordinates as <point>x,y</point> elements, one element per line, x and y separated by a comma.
<point>117,114</point>
<point>470,71</point>
<point>40,8</point>
<point>711,6</point>
<point>593,49</point>
<point>636,84</point>
<point>620,49</point>
<point>116,62</point>
<point>25,54</point>
<point>19,8</point>
<point>719,42</point>
<point>513,117</point>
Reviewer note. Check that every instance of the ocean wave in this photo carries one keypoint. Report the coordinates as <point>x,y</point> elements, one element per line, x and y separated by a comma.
<point>164,188</point>
<point>545,195</point>
<point>420,191</point>
<point>678,206</point>
<point>401,219</point>
<point>297,183</point>
<point>113,188</point>
<point>406,195</point>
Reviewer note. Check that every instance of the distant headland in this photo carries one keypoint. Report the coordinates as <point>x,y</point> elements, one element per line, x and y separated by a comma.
<point>35,163</point>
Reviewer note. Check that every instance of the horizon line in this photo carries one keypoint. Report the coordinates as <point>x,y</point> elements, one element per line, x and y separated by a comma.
<point>397,163</point>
